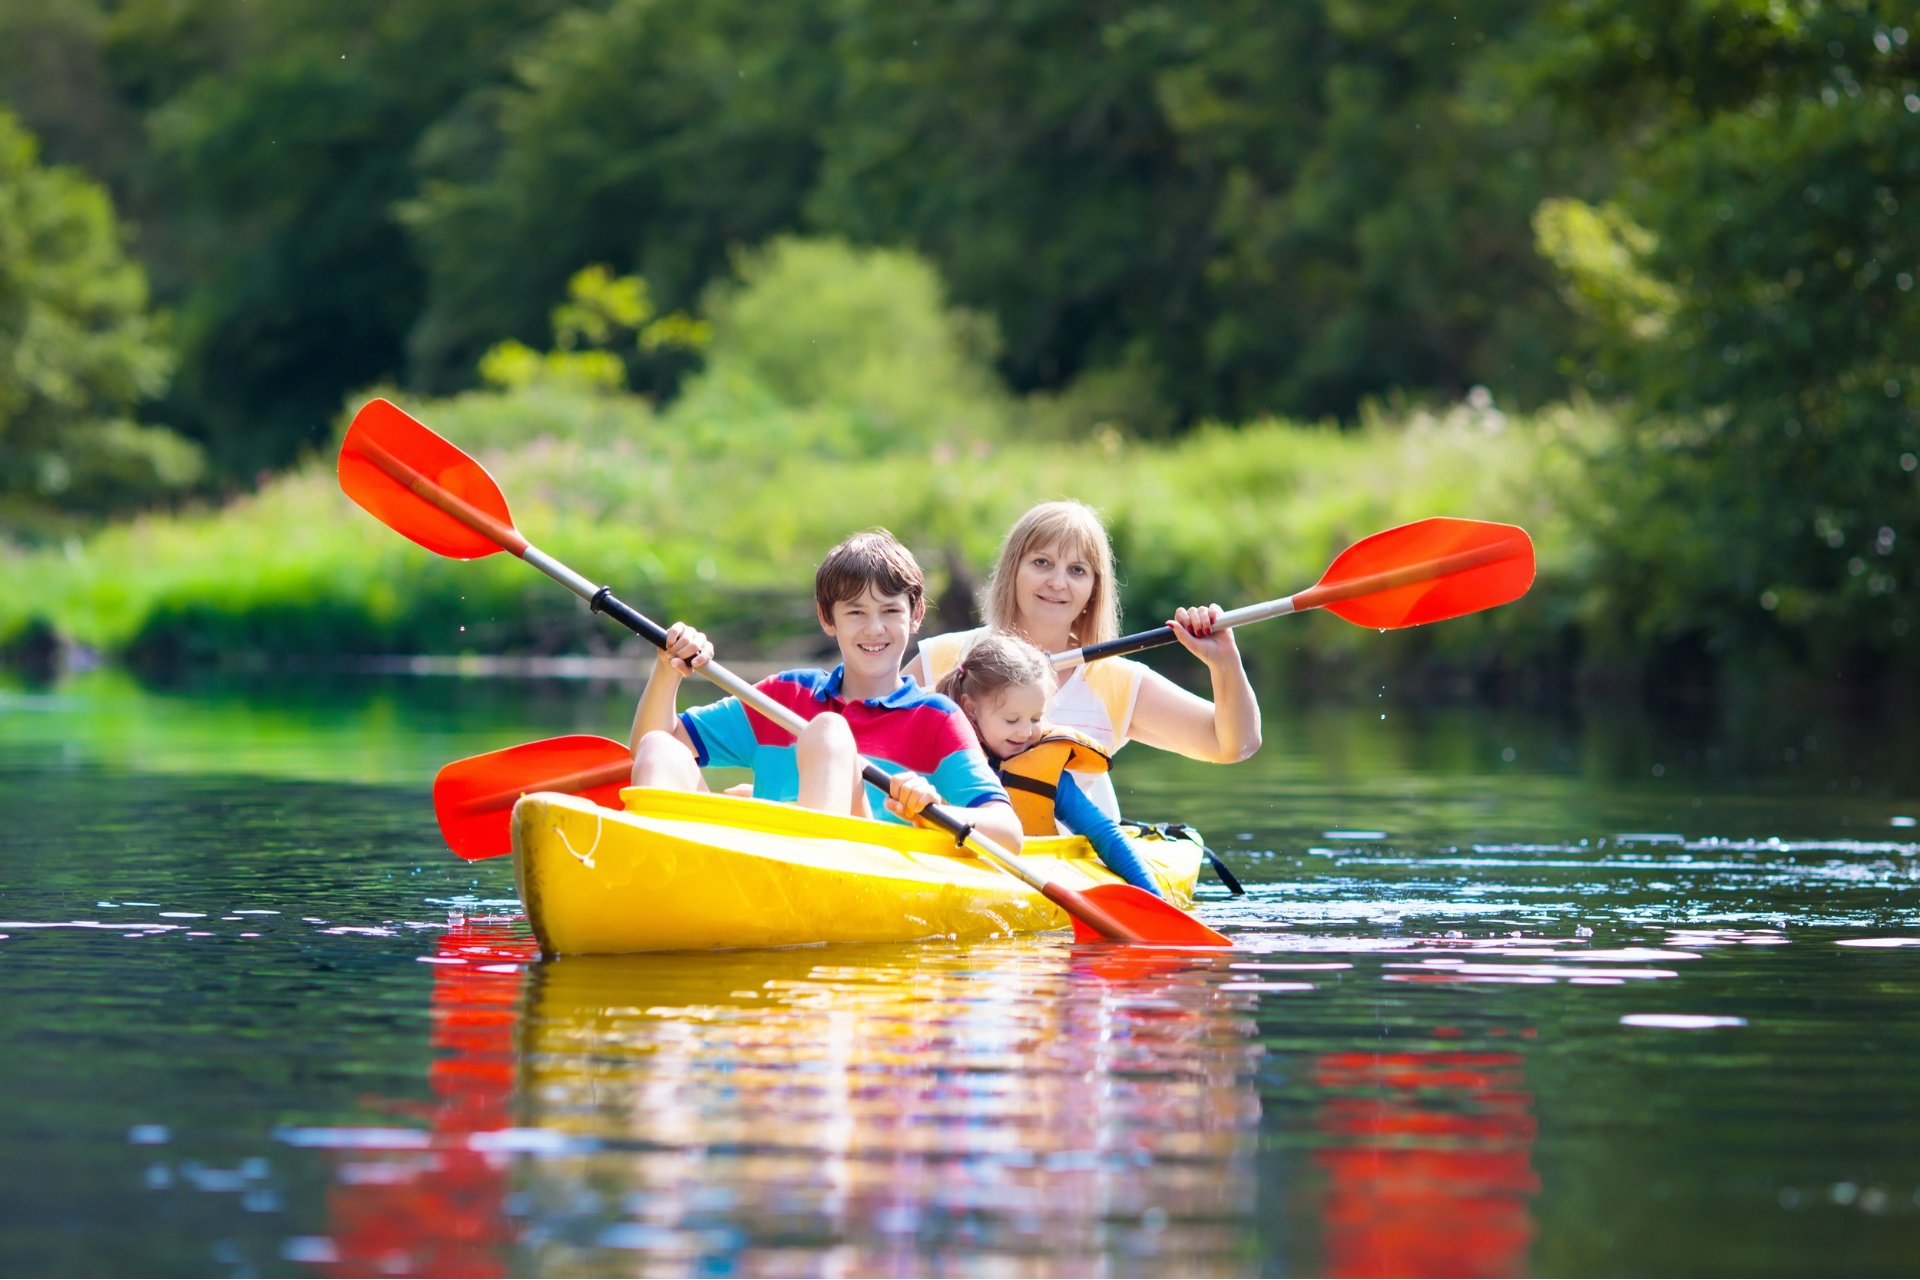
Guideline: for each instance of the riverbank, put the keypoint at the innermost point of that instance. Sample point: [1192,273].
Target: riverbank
[688,520]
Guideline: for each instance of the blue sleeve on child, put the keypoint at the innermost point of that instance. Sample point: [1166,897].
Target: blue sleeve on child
[1084,818]
[721,733]
[965,779]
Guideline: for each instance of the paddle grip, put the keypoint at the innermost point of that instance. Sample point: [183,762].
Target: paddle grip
[604,601]
[1164,635]
[939,815]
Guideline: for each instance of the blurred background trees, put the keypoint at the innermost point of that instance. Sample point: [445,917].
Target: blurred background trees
[1700,213]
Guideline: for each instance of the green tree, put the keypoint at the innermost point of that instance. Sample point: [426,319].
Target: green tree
[1761,308]
[283,173]
[1272,207]
[861,342]
[78,350]
[649,136]
[608,325]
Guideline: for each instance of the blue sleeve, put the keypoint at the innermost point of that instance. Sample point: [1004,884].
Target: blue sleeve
[1084,818]
[965,778]
[721,733]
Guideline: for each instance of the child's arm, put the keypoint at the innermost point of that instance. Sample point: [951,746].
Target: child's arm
[685,649]
[1084,818]
[909,793]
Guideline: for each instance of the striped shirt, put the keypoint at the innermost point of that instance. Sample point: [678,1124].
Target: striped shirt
[910,728]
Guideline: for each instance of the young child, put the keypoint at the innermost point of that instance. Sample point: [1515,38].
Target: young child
[1003,685]
[869,596]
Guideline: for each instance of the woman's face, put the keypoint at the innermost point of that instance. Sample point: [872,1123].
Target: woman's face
[1052,588]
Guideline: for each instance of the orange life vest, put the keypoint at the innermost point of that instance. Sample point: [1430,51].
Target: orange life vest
[1032,776]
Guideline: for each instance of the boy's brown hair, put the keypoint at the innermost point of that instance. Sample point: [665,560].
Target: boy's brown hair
[872,558]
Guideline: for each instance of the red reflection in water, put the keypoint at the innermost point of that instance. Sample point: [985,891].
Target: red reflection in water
[1429,1164]
[437,1212]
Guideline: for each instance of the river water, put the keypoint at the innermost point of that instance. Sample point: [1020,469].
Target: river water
[1514,993]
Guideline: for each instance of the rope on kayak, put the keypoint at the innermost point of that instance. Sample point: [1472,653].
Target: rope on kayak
[584,859]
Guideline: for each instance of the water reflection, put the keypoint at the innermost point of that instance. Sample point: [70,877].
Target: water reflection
[431,1203]
[1428,1158]
[1028,1108]
[1020,1109]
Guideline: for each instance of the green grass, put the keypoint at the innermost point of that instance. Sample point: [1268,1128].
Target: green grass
[723,521]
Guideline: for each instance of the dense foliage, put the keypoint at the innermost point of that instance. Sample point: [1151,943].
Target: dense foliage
[77,349]
[1753,287]
[1111,222]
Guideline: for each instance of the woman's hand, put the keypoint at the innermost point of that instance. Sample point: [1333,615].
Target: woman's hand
[1197,629]
[684,649]
[908,793]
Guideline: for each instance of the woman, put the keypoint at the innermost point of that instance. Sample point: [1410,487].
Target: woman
[1053,586]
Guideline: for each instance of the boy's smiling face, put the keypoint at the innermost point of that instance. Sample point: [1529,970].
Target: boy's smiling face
[872,630]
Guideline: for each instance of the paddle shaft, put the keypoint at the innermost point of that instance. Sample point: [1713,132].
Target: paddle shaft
[1313,597]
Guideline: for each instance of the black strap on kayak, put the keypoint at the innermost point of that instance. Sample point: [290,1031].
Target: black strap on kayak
[1225,873]
[1180,831]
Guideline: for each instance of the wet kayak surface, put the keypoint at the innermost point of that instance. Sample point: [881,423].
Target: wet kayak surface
[1514,993]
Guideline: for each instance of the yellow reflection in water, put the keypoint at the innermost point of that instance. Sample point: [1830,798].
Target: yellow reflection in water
[1025,1108]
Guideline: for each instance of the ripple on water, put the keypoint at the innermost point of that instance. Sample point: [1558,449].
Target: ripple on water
[1681,1021]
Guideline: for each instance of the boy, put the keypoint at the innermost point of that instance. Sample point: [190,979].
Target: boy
[870,597]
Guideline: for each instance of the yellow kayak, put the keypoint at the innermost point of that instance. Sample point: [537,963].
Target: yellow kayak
[680,872]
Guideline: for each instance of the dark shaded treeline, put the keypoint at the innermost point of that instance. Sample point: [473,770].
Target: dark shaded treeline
[1240,208]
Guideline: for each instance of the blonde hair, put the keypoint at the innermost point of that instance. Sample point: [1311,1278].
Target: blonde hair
[996,662]
[1073,527]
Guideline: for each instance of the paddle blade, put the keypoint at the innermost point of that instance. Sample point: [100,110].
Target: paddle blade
[422,487]
[473,798]
[1126,913]
[1427,571]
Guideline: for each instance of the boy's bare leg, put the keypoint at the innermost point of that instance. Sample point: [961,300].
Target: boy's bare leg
[829,766]
[661,760]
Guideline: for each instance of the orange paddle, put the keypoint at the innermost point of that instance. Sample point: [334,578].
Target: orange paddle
[473,798]
[1407,576]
